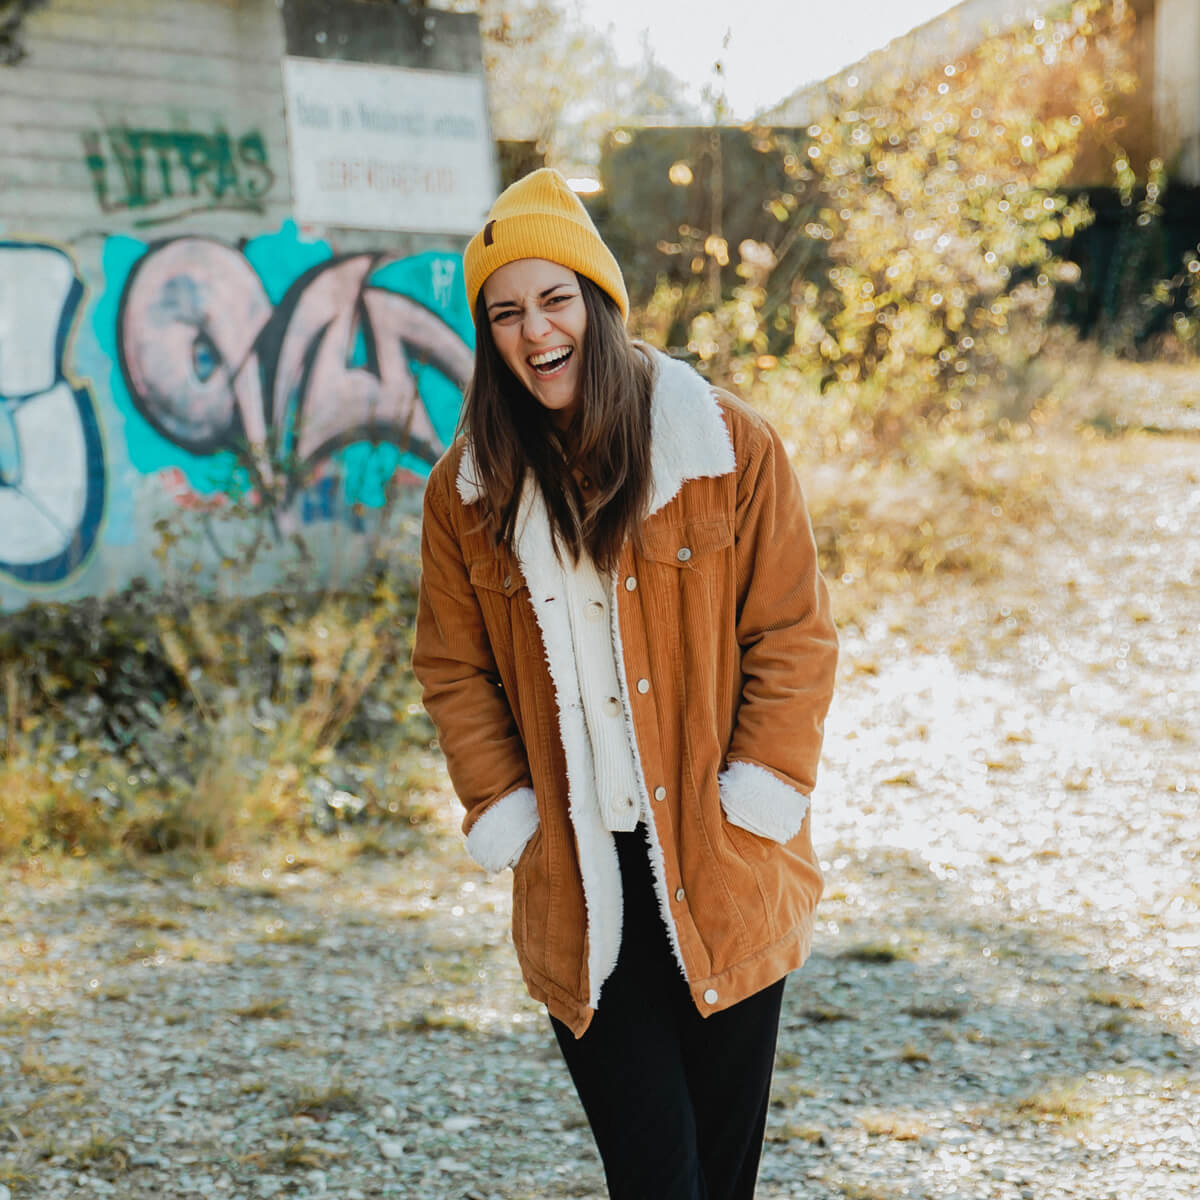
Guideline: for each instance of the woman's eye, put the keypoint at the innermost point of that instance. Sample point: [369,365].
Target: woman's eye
[505,318]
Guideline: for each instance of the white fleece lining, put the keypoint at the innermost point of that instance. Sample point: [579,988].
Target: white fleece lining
[689,440]
[598,864]
[658,863]
[499,836]
[756,800]
[469,487]
[688,437]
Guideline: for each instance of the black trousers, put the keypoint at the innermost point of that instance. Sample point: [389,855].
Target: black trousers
[677,1102]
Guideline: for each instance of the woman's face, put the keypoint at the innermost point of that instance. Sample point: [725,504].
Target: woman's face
[538,320]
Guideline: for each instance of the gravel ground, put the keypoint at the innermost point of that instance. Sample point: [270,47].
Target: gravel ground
[1004,1001]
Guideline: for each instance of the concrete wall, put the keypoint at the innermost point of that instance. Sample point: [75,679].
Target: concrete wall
[160,309]
[1177,86]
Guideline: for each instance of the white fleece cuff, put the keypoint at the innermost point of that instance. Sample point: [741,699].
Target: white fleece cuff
[497,839]
[760,802]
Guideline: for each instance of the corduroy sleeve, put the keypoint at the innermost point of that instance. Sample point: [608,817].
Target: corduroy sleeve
[453,660]
[787,638]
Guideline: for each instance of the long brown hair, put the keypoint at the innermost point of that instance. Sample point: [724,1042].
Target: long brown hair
[608,438]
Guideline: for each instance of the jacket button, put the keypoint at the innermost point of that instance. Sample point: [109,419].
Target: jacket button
[710,997]
[660,793]
[679,894]
[594,610]
[630,583]
[508,581]
[612,706]
[643,686]
[683,554]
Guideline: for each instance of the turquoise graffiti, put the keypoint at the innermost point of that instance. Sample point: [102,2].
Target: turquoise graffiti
[52,477]
[304,383]
[163,174]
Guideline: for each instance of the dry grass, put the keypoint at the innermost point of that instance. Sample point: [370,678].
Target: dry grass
[878,953]
[1059,1103]
[1124,1000]
[148,920]
[39,807]
[886,518]
[290,937]
[291,1154]
[936,1012]
[813,1135]
[264,1010]
[853,1190]
[259,696]
[34,1065]
[100,1151]
[334,1096]
[899,1127]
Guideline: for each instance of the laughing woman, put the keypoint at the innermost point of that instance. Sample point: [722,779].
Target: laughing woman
[627,650]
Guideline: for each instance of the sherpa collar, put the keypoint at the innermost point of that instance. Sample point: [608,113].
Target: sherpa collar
[688,436]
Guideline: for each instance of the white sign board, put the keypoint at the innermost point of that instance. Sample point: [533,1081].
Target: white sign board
[377,147]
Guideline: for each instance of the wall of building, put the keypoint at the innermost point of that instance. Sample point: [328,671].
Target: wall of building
[190,379]
[1177,86]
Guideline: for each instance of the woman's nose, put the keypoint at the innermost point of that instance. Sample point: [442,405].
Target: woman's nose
[536,323]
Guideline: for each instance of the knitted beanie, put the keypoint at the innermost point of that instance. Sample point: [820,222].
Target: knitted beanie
[540,217]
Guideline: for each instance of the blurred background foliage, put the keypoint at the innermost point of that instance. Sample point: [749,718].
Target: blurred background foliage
[903,284]
[916,240]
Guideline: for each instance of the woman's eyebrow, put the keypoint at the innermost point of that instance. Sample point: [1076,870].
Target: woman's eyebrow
[542,295]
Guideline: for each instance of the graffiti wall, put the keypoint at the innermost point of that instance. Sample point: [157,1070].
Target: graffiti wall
[260,399]
[200,378]
[52,480]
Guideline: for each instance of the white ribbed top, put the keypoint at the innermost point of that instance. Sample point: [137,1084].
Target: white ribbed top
[615,783]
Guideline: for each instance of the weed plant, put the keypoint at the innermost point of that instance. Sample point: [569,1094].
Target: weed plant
[150,724]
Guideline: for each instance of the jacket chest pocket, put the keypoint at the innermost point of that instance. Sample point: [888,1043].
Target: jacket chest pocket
[500,588]
[690,547]
[496,577]
[690,574]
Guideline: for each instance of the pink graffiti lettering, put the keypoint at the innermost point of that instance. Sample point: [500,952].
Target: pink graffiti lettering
[191,314]
[338,403]
[212,366]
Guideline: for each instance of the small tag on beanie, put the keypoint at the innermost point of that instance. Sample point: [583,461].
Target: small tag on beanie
[488,239]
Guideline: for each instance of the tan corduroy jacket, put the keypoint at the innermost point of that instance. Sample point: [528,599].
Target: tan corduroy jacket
[726,651]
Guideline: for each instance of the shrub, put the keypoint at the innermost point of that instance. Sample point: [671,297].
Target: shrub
[183,723]
[935,207]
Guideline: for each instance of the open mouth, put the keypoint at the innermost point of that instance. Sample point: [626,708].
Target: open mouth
[550,362]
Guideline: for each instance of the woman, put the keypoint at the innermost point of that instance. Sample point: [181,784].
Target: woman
[626,647]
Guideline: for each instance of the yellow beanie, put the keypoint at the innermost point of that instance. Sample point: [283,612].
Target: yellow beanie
[540,217]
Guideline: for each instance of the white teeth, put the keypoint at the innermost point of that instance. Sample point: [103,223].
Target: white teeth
[549,357]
